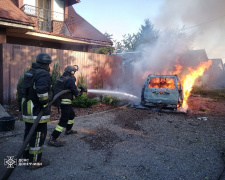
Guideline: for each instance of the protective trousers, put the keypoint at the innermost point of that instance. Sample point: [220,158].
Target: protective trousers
[33,151]
[66,120]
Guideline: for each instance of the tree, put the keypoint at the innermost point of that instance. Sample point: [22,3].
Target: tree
[129,42]
[147,34]
[56,73]
[118,46]
[176,38]
[106,50]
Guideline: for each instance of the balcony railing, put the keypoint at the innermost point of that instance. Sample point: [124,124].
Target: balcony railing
[43,17]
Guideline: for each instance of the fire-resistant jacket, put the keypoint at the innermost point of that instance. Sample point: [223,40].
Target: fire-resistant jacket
[38,95]
[70,84]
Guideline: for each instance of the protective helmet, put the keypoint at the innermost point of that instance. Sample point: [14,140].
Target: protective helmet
[71,69]
[44,58]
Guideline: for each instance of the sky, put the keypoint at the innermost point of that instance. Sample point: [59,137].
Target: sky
[205,18]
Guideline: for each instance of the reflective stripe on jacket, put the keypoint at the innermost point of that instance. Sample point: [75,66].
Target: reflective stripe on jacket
[28,112]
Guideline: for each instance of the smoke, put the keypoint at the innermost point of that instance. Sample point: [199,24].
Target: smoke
[158,58]
[206,18]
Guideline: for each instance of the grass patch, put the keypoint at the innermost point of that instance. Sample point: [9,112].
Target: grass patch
[210,93]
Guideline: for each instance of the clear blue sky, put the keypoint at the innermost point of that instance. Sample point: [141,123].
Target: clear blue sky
[118,17]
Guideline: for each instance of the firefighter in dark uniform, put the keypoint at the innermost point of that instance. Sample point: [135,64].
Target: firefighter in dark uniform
[67,112]
[36,93]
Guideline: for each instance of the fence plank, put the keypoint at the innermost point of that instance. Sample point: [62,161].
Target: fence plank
[17,58]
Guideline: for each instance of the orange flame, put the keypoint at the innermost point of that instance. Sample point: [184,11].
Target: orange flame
[161,83]
[178,68]
[189,80]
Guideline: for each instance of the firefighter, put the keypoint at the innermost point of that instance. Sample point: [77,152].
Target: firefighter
[67,113]
[36,93]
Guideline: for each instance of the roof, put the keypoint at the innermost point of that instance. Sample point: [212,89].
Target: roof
[218,63]
[80,28]
[71,2]
[193,57]
[10,13]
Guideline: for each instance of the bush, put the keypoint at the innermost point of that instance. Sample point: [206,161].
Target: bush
[107,99]
[56,73]
[84,102]
[81,82]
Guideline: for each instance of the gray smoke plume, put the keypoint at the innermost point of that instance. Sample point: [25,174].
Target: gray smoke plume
[159,58]
[178,21]
[206,18]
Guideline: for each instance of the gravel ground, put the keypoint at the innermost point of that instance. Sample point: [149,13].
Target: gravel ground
[134,144]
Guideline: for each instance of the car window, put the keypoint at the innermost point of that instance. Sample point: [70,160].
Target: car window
[162,83]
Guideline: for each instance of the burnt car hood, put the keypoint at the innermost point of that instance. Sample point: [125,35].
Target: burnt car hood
[164,96]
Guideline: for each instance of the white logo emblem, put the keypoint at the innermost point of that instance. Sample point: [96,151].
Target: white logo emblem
[10,162]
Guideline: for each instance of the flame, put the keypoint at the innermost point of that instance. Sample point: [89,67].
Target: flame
[189,80]
[161,83]
[178,68]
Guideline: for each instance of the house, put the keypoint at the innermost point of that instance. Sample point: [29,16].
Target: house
[192,58]
[29,27]
[217,64]
[216,74]
[48,23]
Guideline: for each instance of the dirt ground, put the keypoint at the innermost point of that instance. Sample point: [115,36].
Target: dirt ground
[136,144]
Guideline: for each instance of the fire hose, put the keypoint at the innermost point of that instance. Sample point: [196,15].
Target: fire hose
[34,126]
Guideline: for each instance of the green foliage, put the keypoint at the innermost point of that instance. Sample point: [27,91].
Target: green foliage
[81,81]
[119,47]
[147,35]
[211,93]
[106,50]
[107,99]
[56,73]
[84,102]
[129,42]
[98,85]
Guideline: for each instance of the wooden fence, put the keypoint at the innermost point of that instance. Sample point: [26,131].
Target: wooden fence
[98,70]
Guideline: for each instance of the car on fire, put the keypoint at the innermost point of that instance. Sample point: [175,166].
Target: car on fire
[164,91]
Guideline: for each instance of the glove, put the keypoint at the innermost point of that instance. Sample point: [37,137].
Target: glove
[81,88]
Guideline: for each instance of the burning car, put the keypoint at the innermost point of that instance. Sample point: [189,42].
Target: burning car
[162,91]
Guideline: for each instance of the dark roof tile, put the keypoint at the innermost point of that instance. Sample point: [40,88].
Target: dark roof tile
[10,12]
[80,28]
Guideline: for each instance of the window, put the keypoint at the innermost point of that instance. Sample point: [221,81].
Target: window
[58,10]
[162,83]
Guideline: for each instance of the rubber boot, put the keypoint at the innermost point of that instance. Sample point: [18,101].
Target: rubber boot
[53,142]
